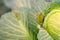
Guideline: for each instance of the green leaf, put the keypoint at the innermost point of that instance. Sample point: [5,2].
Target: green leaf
[52,24]
[52,6]
[18,26]
[51,20]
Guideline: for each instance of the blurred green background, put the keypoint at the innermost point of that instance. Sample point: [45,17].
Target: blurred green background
[3,8]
